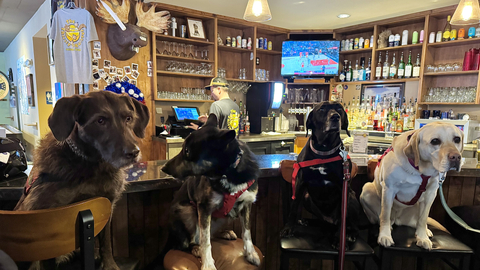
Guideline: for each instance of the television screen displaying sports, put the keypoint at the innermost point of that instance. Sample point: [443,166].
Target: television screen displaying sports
[310,58]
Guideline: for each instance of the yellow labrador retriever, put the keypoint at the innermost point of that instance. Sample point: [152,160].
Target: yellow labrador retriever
[406,180]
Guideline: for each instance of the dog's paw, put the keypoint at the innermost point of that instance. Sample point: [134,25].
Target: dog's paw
[385,240]
[424,243]
[228,235]
[429,233]
[253,258]
[196,251]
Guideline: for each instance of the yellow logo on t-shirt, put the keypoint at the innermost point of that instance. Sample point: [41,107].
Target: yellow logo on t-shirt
[233,120]
[73,33]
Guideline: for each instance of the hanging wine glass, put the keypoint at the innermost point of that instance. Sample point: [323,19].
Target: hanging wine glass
[190,54]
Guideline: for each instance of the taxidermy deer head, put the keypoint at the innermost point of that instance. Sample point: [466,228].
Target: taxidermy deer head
[124,44]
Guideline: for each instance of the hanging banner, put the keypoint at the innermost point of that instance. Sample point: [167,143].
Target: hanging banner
[22,86]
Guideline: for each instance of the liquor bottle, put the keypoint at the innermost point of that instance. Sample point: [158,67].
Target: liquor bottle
[361,71]
[393,68]
[416,68]
[343,73]
[386,67]
[368,70]
[378,69]
[409,66]
[355,72]
[401,68]
[446,30]
[247,125]
[349,72]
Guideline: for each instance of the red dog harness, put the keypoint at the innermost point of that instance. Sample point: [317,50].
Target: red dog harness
[308,163]
[423,185]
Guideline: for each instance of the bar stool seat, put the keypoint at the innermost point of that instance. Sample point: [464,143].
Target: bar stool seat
[228,255]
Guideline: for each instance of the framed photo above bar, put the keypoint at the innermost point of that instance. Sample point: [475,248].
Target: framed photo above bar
[195,28]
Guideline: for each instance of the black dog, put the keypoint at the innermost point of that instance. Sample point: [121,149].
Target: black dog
[319,187]
[215,165]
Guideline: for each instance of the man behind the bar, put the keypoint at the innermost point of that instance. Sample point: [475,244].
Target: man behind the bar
[226,110]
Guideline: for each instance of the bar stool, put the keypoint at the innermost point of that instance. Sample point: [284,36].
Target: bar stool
[445,246]
[303,244]
[43,235]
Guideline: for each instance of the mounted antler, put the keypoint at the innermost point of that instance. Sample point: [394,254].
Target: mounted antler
[153,21]
[121,11]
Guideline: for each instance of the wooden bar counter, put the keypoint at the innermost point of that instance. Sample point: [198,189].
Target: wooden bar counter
[140,219]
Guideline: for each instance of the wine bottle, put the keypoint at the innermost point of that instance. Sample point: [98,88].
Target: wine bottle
[343,73]
[401,68]
[393,68]
[349,72]
[416,68]
[446,30]
[378,69]
[409,66]
[355,72]
[368,70]
[386,67]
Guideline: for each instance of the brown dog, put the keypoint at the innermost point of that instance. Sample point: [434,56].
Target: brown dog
[91,142]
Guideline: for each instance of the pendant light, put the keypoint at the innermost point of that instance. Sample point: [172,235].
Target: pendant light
[257,11]
[467,12]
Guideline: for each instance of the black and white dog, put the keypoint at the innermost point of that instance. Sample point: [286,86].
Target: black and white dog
[319,187]
[220,175]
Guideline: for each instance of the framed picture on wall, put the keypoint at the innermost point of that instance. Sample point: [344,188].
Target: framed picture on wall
[50,50]
[195,28]
[30,90]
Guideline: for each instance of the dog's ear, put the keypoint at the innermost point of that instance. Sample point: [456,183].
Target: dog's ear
[212,120]
[345,121]
[411,150]
[225,137]
[142,115]
[62,120]
[310,121]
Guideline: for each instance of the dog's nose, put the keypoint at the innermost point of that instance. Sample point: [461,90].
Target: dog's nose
[335,117]
[454,157]
[132,154]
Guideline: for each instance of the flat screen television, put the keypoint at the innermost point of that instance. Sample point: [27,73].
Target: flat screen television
[310,58]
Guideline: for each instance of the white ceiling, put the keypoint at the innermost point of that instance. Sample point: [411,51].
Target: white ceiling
[14,14]
[290,14]
[317,14]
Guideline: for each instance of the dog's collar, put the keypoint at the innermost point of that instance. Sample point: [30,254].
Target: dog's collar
[324,153]
[77,150]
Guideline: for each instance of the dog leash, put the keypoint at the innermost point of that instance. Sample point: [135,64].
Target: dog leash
[455,217]
[343,228]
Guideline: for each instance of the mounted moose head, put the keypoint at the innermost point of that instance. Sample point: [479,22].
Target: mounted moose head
[124,44]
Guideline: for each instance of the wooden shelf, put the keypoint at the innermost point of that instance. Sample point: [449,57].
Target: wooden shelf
[455,42]
[452,73]
[262,51]
[238,80]
[325,83]
[446,103]
[380,81]
[185,40]
[183,100]
[364,50]
[419,45]
[163,56]
[233,49]
[169,73]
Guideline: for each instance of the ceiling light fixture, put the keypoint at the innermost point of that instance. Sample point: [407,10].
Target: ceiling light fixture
[343,15]
[257,11]
[467,12]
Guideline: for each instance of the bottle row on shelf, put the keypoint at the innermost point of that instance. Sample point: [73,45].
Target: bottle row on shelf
[403,70]
[356,43]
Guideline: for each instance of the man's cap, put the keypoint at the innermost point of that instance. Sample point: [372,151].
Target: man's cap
[217,81]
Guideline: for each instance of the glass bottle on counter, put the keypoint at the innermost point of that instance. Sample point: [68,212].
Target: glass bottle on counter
[393,68]
[378,69]
[368,70]
[401,68]
[446,30]
[386,67]
[416,68]
[409,66]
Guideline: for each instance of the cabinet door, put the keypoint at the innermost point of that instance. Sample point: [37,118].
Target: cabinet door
[260,148]
[282,147]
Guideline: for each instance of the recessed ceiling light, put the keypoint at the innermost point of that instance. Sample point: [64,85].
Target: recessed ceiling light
[299,3]
[343,15]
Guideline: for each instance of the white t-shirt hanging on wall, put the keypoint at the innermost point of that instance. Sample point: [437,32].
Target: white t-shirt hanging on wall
[72,30]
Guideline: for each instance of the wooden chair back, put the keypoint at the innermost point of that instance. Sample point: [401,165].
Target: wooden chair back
[44,234]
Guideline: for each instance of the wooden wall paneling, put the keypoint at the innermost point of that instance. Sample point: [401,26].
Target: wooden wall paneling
[476,198]
[468,191]
[159,150]
[376,32]
[151,216]
[174,84]
[215,47]
[136,227]
[120,228]
[247,59]
[436,211]
[273,228]
[164,203]
[455,191]
[232,62]
[255,52]
[261,218]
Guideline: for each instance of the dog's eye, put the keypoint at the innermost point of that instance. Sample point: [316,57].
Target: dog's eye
[457,140]
[435,142]
[128,119]
[101,121]
[322,110]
